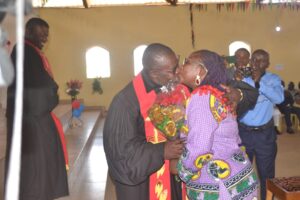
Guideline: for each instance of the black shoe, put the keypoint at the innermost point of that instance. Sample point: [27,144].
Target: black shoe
[290,130]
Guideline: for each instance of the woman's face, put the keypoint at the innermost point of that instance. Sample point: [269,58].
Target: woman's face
[188,72]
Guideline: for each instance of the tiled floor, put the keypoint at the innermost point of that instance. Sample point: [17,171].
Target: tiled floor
[88,168]
[288,156]
[80,138]
[84,144]
[87,179]
[92,180]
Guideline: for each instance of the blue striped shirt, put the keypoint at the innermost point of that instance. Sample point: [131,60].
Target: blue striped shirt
[271,92]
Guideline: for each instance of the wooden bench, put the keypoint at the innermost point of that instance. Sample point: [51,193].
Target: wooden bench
[284,188]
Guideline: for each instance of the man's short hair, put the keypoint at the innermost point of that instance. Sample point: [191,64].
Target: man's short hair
[153,53]
[33,22]
[261,52]
[242,50]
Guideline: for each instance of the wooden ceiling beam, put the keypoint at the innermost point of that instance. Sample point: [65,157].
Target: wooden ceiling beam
[86,3]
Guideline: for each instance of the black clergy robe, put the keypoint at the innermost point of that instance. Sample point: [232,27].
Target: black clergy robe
[43,172]
[250,94]
[131,159]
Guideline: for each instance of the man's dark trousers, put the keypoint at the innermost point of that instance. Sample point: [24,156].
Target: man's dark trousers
[261,144]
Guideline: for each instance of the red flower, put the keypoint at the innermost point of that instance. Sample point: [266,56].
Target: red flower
[177,96]
[168,112]
[74,84]
[73,88]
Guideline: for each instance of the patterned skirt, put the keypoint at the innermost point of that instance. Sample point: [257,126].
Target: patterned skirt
[241,186]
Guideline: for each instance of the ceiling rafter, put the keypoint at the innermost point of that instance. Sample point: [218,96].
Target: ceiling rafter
[292,4]
[86,3]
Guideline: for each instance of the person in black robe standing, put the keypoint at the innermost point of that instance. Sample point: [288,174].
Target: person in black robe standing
[43,172]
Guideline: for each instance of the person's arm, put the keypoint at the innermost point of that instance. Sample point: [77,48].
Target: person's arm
[131,159]
[242,95]
[272,89]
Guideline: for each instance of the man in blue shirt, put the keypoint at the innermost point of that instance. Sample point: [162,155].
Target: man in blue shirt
[256,127]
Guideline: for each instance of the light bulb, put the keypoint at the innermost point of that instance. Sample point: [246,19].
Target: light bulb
[278,28]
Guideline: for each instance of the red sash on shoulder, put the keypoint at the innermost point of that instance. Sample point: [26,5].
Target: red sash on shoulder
[58,124]
[160,187]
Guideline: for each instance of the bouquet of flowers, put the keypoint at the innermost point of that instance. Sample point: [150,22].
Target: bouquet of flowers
[73,88]
[168,112]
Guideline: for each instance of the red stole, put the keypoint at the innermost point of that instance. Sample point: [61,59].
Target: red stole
[62,138]
[160,187]
[58,124]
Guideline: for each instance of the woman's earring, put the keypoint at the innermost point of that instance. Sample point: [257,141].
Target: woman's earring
[197,80]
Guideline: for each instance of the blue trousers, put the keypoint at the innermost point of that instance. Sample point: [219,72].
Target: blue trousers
[261,144]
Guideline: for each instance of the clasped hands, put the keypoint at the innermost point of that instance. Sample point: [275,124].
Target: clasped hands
[172,151]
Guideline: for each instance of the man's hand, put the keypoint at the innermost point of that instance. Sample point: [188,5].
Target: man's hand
[238,75]
[173,149]
[233,96]
[173,166]
[256,74]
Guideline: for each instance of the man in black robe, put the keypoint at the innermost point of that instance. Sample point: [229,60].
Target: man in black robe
[131,159]
[43,171]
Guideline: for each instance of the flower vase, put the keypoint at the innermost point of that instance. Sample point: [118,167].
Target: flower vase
[73,98]
[75,121]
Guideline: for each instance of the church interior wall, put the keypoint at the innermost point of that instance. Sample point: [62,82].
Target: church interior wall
[121,29]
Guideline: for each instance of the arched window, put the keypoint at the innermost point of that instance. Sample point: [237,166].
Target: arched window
[237,45]
[137,58]
[97,63]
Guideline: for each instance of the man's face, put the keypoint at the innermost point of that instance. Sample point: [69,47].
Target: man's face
[259,62]
[291,86]
[39,35]
[167,71]
[242,59]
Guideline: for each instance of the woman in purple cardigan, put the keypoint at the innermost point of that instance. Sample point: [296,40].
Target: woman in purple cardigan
[213,166]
